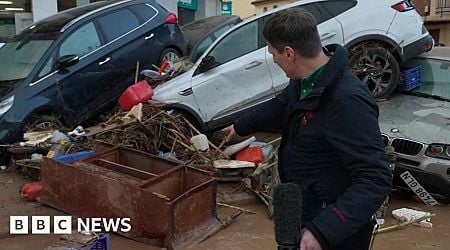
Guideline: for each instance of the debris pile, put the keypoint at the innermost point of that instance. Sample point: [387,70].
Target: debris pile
[151,130]
[166,71]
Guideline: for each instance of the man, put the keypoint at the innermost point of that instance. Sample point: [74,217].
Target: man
[331,145]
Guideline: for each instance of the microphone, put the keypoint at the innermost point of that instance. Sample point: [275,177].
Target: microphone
[287,210]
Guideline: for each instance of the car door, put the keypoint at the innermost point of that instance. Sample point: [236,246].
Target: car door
[330,31]
[240,81]
[154,32]
[82,89]
[130,40]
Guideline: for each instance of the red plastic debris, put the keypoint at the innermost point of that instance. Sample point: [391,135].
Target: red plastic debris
[31,191]
[251,154]
[137,93]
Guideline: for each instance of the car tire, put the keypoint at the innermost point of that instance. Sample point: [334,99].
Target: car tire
[377,68]
[170,54]
[43,122]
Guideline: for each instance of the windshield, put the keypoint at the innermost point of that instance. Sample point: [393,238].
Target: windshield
[18,58]
[435,77]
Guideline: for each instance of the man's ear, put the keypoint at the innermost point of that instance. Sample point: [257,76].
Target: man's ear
[289,52]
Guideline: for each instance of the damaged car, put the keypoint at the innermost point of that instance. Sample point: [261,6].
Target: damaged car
[237,73]
[417,124]
[200,34]
[74,65]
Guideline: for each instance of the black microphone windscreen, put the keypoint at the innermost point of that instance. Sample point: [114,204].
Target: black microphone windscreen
[287,210]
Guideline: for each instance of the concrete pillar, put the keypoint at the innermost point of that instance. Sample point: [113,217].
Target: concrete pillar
[43,8]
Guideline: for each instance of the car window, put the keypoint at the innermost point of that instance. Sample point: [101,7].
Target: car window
[19,57]
[435,80]
[47,68]
[118,23]
[337,7]
[318,11]
[201,48]
[320,14]
[81,42]
[144,11]
[241,41]
[220,31]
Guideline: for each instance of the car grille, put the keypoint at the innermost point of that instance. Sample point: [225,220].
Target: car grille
[406,147]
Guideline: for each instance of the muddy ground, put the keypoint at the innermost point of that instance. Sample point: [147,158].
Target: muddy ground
[248,232]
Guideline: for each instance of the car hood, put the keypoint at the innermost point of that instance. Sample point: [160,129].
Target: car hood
[417,118]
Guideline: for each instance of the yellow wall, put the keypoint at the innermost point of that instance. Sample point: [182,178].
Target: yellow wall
[243,8]
[269,5]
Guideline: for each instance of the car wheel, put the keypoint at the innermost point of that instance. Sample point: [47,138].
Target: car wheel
[43,122]
[377,68]
[170,54]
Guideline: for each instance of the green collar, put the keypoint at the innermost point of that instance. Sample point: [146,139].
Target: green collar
[309,82]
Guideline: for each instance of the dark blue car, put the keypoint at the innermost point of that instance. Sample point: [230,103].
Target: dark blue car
[72,66]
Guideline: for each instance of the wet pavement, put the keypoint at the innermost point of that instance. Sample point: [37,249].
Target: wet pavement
[248,232]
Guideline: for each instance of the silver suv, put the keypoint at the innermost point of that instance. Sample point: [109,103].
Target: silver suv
[236,72]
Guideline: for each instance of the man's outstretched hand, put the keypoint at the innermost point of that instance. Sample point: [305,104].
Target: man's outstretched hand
[230,133]
[308,241]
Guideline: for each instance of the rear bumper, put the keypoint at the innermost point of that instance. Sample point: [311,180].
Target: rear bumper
[435,184]
[416,48]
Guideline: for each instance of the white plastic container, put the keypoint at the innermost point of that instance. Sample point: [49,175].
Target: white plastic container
[200,142]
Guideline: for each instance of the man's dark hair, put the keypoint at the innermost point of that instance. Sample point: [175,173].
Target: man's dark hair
[296,28]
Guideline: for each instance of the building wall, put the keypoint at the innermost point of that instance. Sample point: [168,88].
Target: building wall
[207,8]
[422,7]
[170,5]
[243,8]
[436,22]
[270,5]
[44,8]
[444,32]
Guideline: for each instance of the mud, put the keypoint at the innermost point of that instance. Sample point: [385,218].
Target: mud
[248,232]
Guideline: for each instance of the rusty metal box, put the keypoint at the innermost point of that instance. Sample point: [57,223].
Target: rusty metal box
[169,204]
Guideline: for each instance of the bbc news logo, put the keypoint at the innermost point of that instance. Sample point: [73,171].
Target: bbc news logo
[63,224]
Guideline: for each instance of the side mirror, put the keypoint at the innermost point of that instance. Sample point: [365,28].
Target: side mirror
[207,63]
[66,61]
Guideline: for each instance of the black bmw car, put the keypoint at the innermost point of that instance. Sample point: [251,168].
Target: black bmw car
[69,67]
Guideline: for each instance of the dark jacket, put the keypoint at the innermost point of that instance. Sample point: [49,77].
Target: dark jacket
[331,147]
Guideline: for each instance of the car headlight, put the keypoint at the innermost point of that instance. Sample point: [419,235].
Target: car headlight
[438,151]
[6,104]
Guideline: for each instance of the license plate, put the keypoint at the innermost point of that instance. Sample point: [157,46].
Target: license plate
[415,186]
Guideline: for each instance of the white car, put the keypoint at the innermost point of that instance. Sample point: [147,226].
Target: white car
[236,72]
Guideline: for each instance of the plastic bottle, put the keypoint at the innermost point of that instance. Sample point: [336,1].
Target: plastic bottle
[200,142]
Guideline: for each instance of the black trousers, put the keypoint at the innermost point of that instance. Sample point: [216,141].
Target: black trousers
[359,240]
